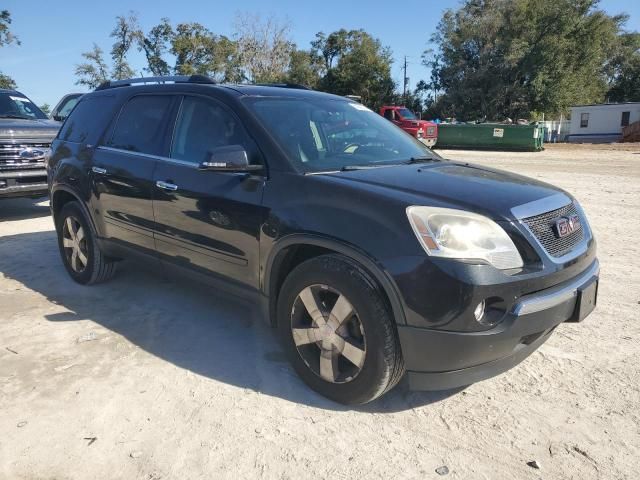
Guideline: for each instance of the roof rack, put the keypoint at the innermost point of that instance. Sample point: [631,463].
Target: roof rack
[296,86]
[166,79]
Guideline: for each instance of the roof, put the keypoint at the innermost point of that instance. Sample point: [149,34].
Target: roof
[605,104]
[200,81]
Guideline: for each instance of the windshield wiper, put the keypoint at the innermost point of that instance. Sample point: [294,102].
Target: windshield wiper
[11,115]
[350,168]
[413,160]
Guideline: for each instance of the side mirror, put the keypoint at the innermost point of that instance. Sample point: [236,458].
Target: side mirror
[232,158]
[59,118]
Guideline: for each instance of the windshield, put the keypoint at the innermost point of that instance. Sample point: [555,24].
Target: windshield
[328,135]
[15,105]
[407,114]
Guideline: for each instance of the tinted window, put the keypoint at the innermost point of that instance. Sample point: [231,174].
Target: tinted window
[140,124]
[625,119]
[203,126]
[88,120]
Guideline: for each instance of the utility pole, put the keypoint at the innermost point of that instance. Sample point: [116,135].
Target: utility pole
[405,80]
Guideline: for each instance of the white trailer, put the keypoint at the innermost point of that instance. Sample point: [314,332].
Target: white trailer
[603,122]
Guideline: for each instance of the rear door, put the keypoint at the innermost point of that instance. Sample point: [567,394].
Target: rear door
[123,167]
[208,221]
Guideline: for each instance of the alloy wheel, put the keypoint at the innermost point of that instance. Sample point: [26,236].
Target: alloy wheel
[74,243]
[328,333]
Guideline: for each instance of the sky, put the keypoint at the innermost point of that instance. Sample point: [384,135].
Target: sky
[54,34]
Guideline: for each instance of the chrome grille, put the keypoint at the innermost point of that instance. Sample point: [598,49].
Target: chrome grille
[10,156]
[542,227]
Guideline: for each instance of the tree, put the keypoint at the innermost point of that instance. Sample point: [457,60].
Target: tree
[624,69]
[94,71]
[7,82]
[155,45]
[46,109]
[199,52]
[6,38]
[126,33]
[355,63]
[264,47]
[304,69]
[511,58]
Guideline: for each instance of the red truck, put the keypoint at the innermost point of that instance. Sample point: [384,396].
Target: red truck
[426,132]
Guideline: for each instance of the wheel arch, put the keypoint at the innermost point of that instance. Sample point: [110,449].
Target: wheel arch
[292,250]
[63,195]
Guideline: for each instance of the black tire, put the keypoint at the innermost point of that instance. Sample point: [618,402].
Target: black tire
[98,267]
[383,365]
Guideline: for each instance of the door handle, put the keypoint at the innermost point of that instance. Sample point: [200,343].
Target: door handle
[167,186]
[99,171]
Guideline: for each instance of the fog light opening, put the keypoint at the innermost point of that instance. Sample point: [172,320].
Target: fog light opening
[479,311]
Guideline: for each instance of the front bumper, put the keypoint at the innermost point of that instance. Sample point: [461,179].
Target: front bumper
[429,142]
[440,359]
[25,183]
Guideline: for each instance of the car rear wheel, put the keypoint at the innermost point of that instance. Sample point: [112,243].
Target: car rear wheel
[338,332]
[80,253]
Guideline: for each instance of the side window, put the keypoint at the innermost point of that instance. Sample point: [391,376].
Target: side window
[140,124]
[67,106]
[388,114]
[87,120]
[584,120]
[625,119]
[204,125]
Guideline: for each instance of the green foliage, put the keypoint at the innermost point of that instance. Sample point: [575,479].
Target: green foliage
[624,69]
[46,109]
[7,82]
[94,70]
[355,63]
[126,33]
[155,45]
[6,37]
[304,69]
[199,52]
[507,58]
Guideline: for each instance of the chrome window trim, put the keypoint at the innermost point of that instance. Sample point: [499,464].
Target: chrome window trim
[555,296]
[147,155]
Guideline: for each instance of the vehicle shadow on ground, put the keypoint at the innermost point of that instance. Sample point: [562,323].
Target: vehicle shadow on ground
[23,208]
[189,325]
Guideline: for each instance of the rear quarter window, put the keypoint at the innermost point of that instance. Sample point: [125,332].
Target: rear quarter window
[87,120]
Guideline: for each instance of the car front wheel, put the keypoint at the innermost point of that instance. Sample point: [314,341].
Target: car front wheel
[338,332]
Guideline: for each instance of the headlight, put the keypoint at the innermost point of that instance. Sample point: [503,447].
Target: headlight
[449,233]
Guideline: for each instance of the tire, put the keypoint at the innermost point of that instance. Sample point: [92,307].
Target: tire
[90,266]
[361,360]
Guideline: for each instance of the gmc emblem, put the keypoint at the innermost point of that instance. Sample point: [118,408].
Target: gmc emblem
[566,225]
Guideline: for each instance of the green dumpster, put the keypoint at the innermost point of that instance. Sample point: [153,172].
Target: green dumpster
[491,136]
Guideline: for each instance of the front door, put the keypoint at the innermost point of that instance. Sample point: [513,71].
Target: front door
[208,221]
[122,171]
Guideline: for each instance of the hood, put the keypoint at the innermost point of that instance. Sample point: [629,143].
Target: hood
[455,185]
[422,123]
[44,130]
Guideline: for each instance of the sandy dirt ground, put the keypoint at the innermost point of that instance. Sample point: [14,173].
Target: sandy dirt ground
[144,378]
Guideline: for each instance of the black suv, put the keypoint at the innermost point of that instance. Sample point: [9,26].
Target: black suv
[25,138]
[371,255]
